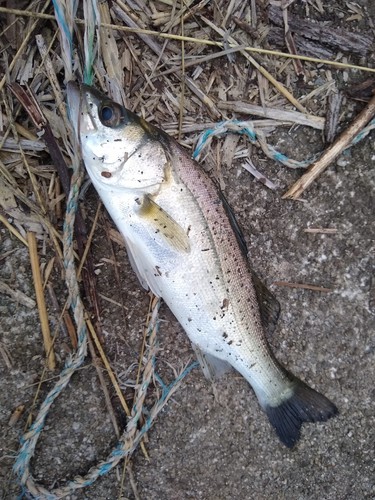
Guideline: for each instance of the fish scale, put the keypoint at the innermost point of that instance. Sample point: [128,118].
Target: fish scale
[185,245]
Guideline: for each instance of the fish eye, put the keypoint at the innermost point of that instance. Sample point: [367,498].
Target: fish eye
[110,114]
[107,113]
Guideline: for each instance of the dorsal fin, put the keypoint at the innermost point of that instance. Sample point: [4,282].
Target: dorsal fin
[268,305]
[233,222]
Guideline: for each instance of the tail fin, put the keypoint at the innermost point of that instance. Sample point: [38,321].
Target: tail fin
[305,405]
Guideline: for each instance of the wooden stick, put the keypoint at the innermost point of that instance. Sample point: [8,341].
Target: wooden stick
[302,285]
[17,295]
[47,339]
[274,113]
[322,230]
[332,152]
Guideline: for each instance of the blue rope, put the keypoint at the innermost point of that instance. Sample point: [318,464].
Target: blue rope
[256,137]
[60,17]
[132,436]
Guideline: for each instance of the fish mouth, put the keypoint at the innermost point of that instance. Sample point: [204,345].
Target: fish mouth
[83,101]
[74,102]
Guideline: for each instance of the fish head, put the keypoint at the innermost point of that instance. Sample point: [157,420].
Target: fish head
[120,149]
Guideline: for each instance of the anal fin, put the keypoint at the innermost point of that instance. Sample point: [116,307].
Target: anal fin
[212,367]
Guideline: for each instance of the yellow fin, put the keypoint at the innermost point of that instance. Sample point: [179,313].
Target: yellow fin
[164,225]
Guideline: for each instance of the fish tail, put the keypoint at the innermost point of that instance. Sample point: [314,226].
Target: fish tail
[303,405]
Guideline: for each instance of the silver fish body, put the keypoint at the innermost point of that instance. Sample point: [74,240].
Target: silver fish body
[182,242]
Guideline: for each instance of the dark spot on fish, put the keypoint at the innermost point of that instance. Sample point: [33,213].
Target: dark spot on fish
[189,319]
[230,342]
[105,174]
[225,335]
[225,304]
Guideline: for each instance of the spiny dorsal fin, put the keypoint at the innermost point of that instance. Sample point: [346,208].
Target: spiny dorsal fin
[233,222]
[164,225]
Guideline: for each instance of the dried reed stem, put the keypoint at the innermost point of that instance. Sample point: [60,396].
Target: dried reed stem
[171,36]
[47,339]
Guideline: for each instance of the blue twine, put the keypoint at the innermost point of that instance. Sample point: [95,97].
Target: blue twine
[29,440]
[256,137]
[363,133]
[246,128]
[60,17]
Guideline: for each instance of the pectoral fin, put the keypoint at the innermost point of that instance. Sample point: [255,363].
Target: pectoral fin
[164,225]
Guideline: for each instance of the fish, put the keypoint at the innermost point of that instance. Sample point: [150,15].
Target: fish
[185,245]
